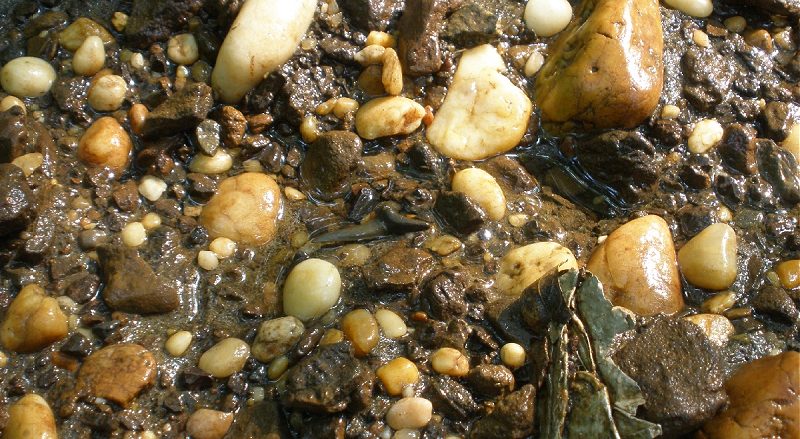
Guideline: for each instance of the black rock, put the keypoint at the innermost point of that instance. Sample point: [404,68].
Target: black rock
[197,379]
[513,417]
[330,162]
[775,302]
[330,380]
[737,148]
[708,77]
[366,201]
[778,166]
[182,111]
[78,346]
[459,212]
[490,380]
[426,161]
[471,25]
[131,285]
[680,372]
[80,287]
[17,204]
[775,119]
[452,398]
[418,44]
[444,295]
[369,15]
[693,219]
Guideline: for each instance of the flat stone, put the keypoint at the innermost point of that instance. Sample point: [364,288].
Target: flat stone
[330,162]
[131,285]
[117,373]
[182,111]
[402,269]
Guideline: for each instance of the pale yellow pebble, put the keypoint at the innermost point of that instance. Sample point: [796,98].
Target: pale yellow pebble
[32,321]
[392,73]
[345,106]
[410,413]
[406,433]
[709,260]
[717,328]
[372,54]
[724,214]
[518,219]
[397,374]
[792,141]
[700,38]
[309,130]
[512,355]
[326,107]
[523,266]
[90,56]
[534,63]
[107,93]
[735,24]
[482,188]
[152,187]
[182,49]
[27,77]
[220,162]
[443,245]
[252,165]
[277,367]
[719,303]
[76,33]
[275,337]
[788,273]
[331,336]
[670,112]
[209,424]
[137,61]
[28,162]
[178,343]
[380,38]
[391,324]
[207,260]
[547,17]
[298,238]
[151,221]
[225,358]
[449,361]
[133,234]
[293,194]
[695,8]
[311,289]
[360,327]
[30,418]
[3,359]
[354,255]
[119,20]
[12,101]
[388,116]
[705,135]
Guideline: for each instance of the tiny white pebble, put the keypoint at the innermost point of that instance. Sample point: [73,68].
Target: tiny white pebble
[178,343]
[182,49]
[151,221]
[391,324]
[223,247]
[705,135]
[152,187]
[534,63]
[547,17]
[700,38]
[137,61]
[133,234]
[735,24]
[293,194]
[512,355]
[670,112]
[207,260]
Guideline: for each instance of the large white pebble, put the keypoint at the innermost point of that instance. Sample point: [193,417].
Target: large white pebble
[547,17]
[709,259]
[90,57]
[523,266]
[695,8]
[311,289]
[27,77]
[411,412]
[225,358]
[30,418]
[107,93]
[481,187]
[264,35]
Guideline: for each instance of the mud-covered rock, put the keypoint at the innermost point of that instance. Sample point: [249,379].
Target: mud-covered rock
[737,148]
[303,89]
[17,204]
[472,25]
[152,21]
[780,7]
[511,174]
[625,160]
[261,420]
[117,373]
[369,15]
[400,270]
[490,380]
[680,373]
[708,77]
[234,126]
[444,295]
[451,398]
[20,135]
[330,162]
[779,167]
[131,285]
[513,417]
[71,94]
[329,380]
[460,212]
[776,121]
[418,44]
[776,303]
[182,111]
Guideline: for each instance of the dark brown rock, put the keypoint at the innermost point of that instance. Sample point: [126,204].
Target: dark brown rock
[444,295]
[708,77]
[776,121]
[402,269]
[234,125]
[776,303]
[511,174]
[71,94]
[117,373]
[152,21]
[17,204]
[737,148]
[490,380]
[459,212]
[513,417]
[131,285]
[369,15]
[451,398]
[330,163]
[779,167]
[471,25]
[182,111]
[418,44]
[126,196]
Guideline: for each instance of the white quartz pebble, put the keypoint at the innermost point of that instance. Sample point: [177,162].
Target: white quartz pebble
[695,8]
[225,358]
[391,324]
[547,17]
[107,93]
[178,343]
[482,188]
[27,77]
[411,412]
[311,289]
[90,57]
[705,135]
[152,187]
[182,49]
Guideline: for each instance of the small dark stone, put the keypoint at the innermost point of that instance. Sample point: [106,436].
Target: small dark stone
[17,204]
[90,239]
[418,44]
[693,219]
[513,417]
[707,77]
[182,111]
[695,177]
[207,136]
[425,161]
[444,295]
[330,161]
[667,131]
[737,148]
[78,346]
[510,173]
[80,287]
[369,15]
[776,303]
[459,212]
[401,269]
[730,190]
[329,380]
[126,196]
[131,285]
[71,94]
[197,379]
[542,303]
[544,227]
[775,118]
[471,25]
[151,21]
[366,201]
[452,398]
[779,167]
[490,380]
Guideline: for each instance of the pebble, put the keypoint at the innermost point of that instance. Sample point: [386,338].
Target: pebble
[388,116]
[309,130]
[32,321]
[152,187]
[117,372]
[695,8]
[29,162]
[370,55]
[105,144]
[512,355]
[354,255]
[717,328]
[380,38]
[90,56]
[73,36]
[484,113]
[392,73]
[207,135]
[443,245]
[547,17]
[735,24]
[700,38]
[182,49]
[208,424]
[709,259]
[137,116]
[410,413]
[482,188]
[264,35]
[119,20]
[719,303]
[791,142]
[223,247]
[705,135]
[12,101]
[220,162]
[245,209]
[27,77]
[278,367]
[178,343]
[523,266]
[534,63]
[391,324]
[670,112]
[638,267]
[107,93]
[225,358]
[449,361]
[30,418]
[311,289]
[133,234]
[397,374]
[151,221]
[331,336]
[207,260]
[789,273]
[360,327]
[3,359]
[275,337]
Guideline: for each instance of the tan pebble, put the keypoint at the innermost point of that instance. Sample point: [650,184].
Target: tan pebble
[518,219]
[792,141]
[700,38]
[709,259]
[182,49]
[220,162]
[152,187]
[117,372]
[391,324]
[74,35]
[547,17]
[444,245]
[207,260]
[760,38]
[178,343]
[9,102]
[133,234]
[670,112]
[392,74]
[298,238]
[277,367]
[449,361]
[523,266]
[706,134]
[331,336]
[719,303]
[397,374]
[360,327]
[209,424]
[137,115]
[345,106]
[105,144]
[370,55]
[107,93]
[293,194]
[32,321]
[30,418]
[388,116]
[717,328]
[29,162]
[326,107]
[225,358]
[275,337]
[311,289]
[223,247]
[309,130]
[512,355]
[411,412]
[371,81]
[534,63]
[694,8]
[735,24]
[481,187]
[119,20]
[789,273]
[354,255]
[90,56]
[3,359]
[380,38]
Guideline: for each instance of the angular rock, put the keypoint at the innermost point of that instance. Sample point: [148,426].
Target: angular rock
[680,372]
[234,126]
[444,295]
[418,44]
[131,285]
[369,15]
[780,168]
[460,212]
[452,398]
[471,25]
[117,372]
[625,160]
[510,173]
[402,269]
[329,380]
[606,68]
[776,303]
[330,162]
[17,203]
[707,77]
[763,401]
[513,417]
[151,21]
[737,148]
[182,111]
[490,380]
[775,118]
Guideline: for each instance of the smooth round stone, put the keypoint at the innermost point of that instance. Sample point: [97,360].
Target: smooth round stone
[717,328]
[523,266]
[709,259]
[178,343]
[208,424]
[360,327]
[225,358]
[105,144]
[397,374]
[311,289]
[27,77]
[695,8]
[480,186]
[411,412]
[547,17]
[275,337]
[30,418]
[391,324]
